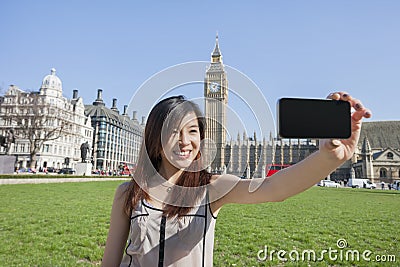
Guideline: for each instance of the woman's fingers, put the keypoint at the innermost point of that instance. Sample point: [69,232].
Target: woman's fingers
[359,110]
[334,96]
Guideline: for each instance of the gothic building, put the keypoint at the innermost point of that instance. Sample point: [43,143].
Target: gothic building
[246,157]
[377,157]
[249,157]
[216,99]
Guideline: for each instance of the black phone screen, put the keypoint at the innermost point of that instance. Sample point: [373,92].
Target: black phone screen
[313,118]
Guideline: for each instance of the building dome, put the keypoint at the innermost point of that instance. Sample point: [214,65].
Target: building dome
[51,81]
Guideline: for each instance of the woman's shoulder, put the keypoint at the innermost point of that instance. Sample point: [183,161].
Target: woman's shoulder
[124,186]
[122,189]
[220,185]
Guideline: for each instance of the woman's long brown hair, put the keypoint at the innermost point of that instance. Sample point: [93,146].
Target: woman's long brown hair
[149,162]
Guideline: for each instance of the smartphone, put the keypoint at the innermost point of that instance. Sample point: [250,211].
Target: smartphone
[313,118]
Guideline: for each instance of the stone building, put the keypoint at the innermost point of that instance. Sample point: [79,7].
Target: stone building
[246,157]
[377,157]
[45,122]
[249,157]
[216,99]
[116,137]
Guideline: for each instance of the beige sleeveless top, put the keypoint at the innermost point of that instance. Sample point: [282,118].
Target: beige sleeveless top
[156,241]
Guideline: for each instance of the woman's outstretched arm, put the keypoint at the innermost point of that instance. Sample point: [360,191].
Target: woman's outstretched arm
[297,178]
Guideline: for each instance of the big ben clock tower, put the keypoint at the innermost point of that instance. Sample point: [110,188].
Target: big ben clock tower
[216,99]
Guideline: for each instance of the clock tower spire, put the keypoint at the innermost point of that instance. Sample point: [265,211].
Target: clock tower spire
[216,55]
[216,99]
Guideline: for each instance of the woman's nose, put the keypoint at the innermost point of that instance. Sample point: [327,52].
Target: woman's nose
[184,138]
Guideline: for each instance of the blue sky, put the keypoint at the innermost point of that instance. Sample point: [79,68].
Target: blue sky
[288,48]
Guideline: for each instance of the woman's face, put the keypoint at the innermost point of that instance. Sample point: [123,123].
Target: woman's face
[182,145]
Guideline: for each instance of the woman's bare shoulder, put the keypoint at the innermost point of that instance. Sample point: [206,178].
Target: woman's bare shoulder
[221,185]
[122,189]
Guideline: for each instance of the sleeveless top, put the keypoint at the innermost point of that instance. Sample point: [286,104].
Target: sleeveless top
[155,240]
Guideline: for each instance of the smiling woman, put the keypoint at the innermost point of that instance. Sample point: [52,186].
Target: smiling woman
[168,183]
[171,152]
[167,212]
[182,146]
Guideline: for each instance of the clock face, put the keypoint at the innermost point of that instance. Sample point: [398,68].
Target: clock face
[214,87]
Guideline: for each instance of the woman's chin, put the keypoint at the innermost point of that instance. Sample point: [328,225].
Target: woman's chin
[182,164]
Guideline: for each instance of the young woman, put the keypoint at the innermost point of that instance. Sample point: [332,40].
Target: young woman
[165,216]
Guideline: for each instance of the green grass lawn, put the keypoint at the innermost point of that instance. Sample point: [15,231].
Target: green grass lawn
[66,225]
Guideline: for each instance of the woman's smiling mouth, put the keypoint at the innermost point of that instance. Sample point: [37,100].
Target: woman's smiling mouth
[183,154]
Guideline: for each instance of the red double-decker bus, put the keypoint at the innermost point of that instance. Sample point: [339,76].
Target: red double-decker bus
[273,168]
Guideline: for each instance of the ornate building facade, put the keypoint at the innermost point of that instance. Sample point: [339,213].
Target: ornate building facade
[48,127]
[377,157]
[249,157]
[216,99]
[246,157]
[113,138]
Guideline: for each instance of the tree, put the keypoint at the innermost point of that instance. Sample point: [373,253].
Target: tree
[35,119]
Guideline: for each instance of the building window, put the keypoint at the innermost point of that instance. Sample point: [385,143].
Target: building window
[389,155]
[46,148]
[382,173]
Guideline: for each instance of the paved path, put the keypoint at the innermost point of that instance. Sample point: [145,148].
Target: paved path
[58,180]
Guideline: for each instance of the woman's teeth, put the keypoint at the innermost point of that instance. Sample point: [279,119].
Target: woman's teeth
[182,153]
